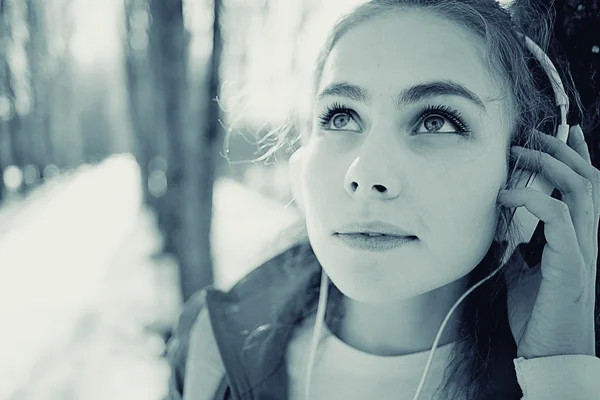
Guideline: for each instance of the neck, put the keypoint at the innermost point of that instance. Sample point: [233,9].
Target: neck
[403,327]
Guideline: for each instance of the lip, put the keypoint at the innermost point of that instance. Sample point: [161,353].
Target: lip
[376,227]
[373,244]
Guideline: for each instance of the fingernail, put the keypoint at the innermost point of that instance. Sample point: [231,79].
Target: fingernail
[579,130]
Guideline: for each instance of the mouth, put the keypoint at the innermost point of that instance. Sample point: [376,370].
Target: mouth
[376,235]
[374,241]
[375,229]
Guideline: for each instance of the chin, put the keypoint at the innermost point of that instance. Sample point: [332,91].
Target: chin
[375,295]
[369,284]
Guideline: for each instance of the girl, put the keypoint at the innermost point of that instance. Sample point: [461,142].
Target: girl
[424,114]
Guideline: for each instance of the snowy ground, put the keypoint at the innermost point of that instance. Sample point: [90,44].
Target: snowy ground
[81,298]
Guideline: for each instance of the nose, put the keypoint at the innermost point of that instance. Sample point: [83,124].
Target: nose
[366,180]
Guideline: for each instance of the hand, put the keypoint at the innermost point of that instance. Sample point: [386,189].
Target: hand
[551,307]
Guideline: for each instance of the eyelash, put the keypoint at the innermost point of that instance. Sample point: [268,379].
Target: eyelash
[331,110]
[452,115]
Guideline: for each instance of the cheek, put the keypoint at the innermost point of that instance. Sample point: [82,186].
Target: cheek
[315,188]
[322,181]
[462,217]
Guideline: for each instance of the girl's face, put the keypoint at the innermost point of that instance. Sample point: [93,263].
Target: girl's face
[405,132]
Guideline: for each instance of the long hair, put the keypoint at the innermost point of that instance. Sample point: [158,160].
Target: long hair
[481,361]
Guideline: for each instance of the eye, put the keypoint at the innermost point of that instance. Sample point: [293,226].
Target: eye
[338,118]
[441,119]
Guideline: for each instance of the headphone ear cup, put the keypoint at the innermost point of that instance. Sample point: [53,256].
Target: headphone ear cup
[296,162]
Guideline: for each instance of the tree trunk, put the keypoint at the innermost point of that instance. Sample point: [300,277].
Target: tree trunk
[18,138]
[184,212]
[577,45]
[5,154]
[66,136]
[167,61]
[577,29]
[202,167]
[37,53]
[140,91]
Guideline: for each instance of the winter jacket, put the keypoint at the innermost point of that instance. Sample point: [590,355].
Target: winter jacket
[251,303]
[230,321]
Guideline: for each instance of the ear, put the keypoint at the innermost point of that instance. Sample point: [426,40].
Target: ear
[295,177]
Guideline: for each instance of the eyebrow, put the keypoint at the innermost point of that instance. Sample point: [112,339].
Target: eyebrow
[413,94]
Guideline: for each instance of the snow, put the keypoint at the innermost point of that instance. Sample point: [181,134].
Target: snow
[83,294]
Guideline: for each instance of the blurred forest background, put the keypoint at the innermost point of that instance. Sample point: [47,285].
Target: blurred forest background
[135,169]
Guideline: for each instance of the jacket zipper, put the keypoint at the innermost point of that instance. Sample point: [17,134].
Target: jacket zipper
[231,392]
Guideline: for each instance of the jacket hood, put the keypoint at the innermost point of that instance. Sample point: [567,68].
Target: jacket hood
[248,322]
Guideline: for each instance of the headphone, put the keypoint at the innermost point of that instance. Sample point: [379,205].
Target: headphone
[521,217]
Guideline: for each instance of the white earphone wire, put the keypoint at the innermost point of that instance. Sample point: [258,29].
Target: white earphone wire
[505,257]
[562,102]
[320,318]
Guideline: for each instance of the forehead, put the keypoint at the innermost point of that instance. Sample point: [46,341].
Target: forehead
[388,53]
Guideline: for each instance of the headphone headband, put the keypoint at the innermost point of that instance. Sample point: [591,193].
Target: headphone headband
[560,95]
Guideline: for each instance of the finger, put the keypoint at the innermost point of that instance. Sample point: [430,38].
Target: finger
[576,157]
[562,247]
[576,191]
[577,141]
